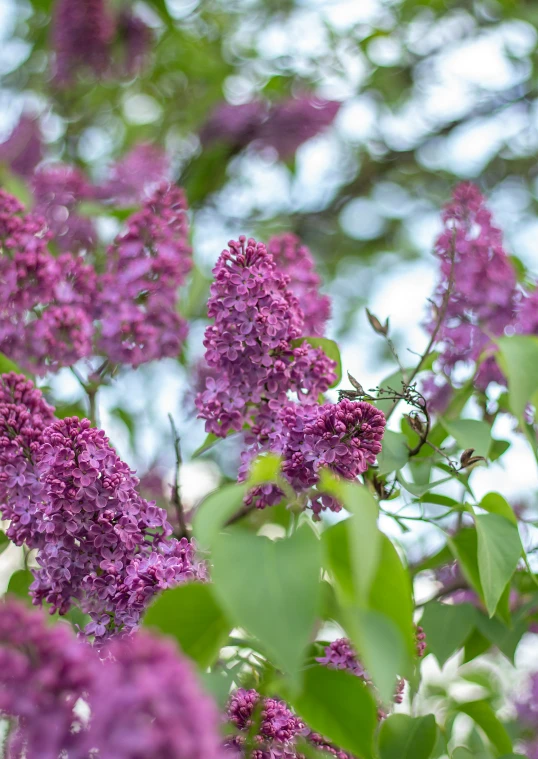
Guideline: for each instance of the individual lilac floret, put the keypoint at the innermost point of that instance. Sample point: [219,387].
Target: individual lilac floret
[136,175]
[296,120]
[81,36]
[23,149]
[44,669]
[106,548]
[295,259]
[24,415]
[58,189]
[145,268]
[147,702]
[250,344]
[235,125]
[483,296]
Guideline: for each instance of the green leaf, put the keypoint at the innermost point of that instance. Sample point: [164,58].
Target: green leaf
[359,539]
[447,627]
[394,454]
[518,357]
[272,589]
[214,512]
[265,468]
[190,614]
[4,540]
[420,490]
[496,504]
[402,737]
[340,707]
[505,638]
[7,365]
[19,584]
[470,433]
[461,753]
[484,716]
[499,551]
[124,416]
[208,443]
[329,347]
[464,547]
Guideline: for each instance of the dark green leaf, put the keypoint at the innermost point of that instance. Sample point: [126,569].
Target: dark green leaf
[340,707]
[19,584]
[499,551]
[190,614]
[484,716]
[402,737]
[447,627]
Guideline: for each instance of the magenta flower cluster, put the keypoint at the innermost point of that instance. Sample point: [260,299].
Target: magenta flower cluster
[483,295]
[57,310]
[99,544]
[23,148]
[143,697]
[251,342]
[283,127]
[85,35]
[145,268]
[295,260]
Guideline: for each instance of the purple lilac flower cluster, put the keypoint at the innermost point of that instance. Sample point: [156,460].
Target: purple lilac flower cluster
[84,36]
[295,260]
[256,319]
[44,669]
[143,696]
[44,317]
[284,127]
[67,493]
[51,306]
[483,295]
[145,268]
[131,179]
[24,415]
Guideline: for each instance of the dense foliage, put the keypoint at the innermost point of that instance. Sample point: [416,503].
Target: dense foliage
[286,614]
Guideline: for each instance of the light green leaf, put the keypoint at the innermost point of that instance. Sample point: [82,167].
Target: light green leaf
[470,433]
[265,468]
[340,707]
[214,512]
[420,490]
[208,443]
[329,347]
[272,589]
[394,454]
[484,716]
[518,357]
[461,753]
[496,504]
[363,536]
[190,614]
[404,737]
[499,551]
[464,547]
[447,627]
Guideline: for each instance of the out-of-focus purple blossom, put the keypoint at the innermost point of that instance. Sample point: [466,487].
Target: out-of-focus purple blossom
[296,120]
[24,415]
[483,297]
[340,654]
[44,669]
[250,344]
[46,317]
[438,393]
[102,546]
[135,37]
[527,315]
[135,175]
[527,712]
[58,190]
[145,268]
[295,260]
[147,702]
[81,37]
[235,125]
[23,149]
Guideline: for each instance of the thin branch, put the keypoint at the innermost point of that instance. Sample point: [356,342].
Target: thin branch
[183,531]
[445,591]
[243,511]
[440,319]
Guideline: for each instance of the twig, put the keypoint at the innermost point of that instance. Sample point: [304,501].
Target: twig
[440,319]
[243,511]
[446,591]
[91,393]
[183,531]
